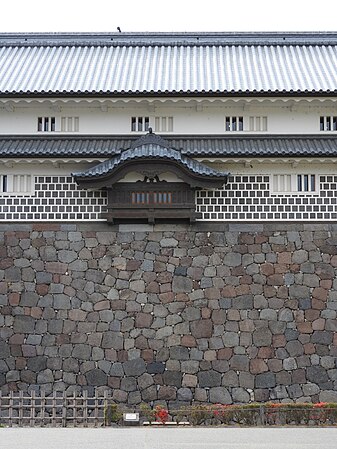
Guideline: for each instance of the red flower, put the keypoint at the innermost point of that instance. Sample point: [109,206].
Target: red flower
[319,405]
[161,414]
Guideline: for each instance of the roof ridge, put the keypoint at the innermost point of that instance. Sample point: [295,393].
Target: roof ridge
[168,38]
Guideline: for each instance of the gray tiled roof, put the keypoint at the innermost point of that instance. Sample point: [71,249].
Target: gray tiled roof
[147,151]
[146,64]
[217,146]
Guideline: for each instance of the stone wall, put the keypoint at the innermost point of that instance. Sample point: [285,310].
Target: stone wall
[214,312]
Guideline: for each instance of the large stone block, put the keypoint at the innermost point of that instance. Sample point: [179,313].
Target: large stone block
[23,324]
[262,337]
[265,380]
[209,378]
[317,374]
[96,377]
[173,378]
[202,328]
[135,367]
[112,340]
[182,284]
[219,395]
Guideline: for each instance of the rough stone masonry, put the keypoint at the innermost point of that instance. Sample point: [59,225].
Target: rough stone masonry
[214,312]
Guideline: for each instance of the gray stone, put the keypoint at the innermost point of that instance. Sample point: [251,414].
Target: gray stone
[155,368]
[325,270]
[23,324]
[116,370]
[4,350]
[200,261]
[82,351]
[179,353]
[202,328]
[209,378]
[61,302]
[239,363]
[240,395]
[265,380]
[262,337]
[70,365]
[230,339]
[168,243]
[300,256]
[225,303]
[232,259]
[145,381]
[37,364]
[191,314]
[55,326]
[96,377]
[65,256]
[112,340]
[129,384]
[328,396]
[219,395]
[295,391]
[184,394]
[78,265]
[322,337]
[29,299]
[294,348]
[180,271]
[299,291]
[172,378]
[286,315]
[147,265]
[310,389]
[45,377]
[181,284]
[304,303]
[243,302]
[317,374]
[134,367]
[289,363]
[190,366]
[12,376]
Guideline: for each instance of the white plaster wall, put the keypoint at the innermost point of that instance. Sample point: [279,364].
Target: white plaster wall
[189,118]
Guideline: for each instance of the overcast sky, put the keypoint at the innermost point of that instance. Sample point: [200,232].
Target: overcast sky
[169,15]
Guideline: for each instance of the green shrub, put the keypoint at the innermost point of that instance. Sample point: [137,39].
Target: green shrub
[112,414]
[147,412]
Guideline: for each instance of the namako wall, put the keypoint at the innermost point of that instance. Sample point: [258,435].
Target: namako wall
[214,312]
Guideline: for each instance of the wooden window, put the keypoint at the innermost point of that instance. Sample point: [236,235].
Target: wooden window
[46,124]
[16,184]
[151,197]
[306,183]
[163,124]
[258,123]
[70,124]
[292,183]
[328,123]
[140,123]
[234,123]
[282,183]
[4,187]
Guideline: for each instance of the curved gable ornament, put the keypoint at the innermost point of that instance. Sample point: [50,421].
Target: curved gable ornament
[151,156]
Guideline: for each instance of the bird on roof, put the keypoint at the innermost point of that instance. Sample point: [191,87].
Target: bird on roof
[118,28]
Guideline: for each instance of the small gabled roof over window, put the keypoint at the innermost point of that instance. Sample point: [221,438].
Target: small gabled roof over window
[151,155]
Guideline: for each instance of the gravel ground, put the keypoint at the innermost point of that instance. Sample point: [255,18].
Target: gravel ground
[177,438]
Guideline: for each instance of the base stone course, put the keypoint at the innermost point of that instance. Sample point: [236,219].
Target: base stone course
[211,312]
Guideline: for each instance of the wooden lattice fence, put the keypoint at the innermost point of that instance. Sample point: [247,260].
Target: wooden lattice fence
[28,409]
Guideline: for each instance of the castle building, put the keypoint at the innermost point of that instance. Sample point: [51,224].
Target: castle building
[168,209]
